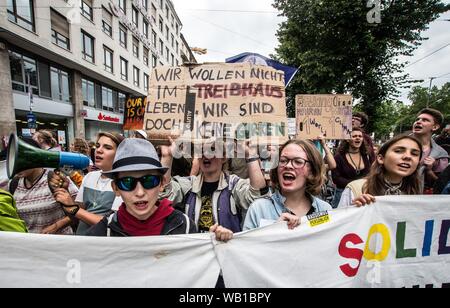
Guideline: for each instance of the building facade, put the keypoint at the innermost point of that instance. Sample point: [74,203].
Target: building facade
[72,64]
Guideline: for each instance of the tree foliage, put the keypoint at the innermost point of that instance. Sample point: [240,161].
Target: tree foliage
[421,97]
[339,51]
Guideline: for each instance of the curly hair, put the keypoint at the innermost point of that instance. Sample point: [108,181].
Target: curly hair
[344,146]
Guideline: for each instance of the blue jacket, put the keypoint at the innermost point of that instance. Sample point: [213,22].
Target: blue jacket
[272,208]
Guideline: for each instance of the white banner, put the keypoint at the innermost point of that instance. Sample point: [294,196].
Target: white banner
[400,241]
[29,260]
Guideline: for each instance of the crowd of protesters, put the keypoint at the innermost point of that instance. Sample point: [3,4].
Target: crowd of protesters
[131,189]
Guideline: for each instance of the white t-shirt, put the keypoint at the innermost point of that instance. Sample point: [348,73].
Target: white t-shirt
[97,196]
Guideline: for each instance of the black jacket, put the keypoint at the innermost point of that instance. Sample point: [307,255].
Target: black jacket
[176,223]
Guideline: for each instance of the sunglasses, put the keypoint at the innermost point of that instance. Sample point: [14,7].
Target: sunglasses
[129,183]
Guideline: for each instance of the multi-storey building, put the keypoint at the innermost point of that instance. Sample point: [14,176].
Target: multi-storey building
[81,60]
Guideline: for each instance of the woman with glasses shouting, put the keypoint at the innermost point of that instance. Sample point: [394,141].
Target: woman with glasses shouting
[297,180]
[137,176]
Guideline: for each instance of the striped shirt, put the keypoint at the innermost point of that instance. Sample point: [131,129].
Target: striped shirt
[37,207]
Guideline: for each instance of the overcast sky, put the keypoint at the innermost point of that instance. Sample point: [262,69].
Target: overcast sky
[228,28]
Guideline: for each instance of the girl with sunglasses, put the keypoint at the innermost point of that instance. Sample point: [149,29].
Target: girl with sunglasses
[137,177]
[96,197]
[296,181]
[394,172]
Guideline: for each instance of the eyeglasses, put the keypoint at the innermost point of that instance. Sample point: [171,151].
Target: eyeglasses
[129,183]
[297,162]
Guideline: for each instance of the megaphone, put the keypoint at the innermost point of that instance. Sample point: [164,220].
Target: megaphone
[22,156]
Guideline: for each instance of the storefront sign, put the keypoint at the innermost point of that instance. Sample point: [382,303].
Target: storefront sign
[103,116]
[106,118]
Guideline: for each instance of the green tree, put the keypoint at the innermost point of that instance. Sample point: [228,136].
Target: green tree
[339,51]
[421,97]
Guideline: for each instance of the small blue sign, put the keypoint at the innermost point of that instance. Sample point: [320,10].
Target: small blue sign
[31,119]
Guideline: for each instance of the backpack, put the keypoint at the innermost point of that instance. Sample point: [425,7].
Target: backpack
[9,219]
[226,217]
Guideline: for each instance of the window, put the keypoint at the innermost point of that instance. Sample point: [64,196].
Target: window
[122,101]
[161,48]
[161,24]
[23,72]
[88,93]
[161,4]
[154,38]
[167,33]
[123,6]
[86,9]
[146,56]
[60,85]
[60,30]
[135,47]
[135,17]
[108,59]
[167,55]
[87,43]
[177,29]
[178,63]
[146,82]
[172,20]
[124,69]
[153,13]
[123,36]
[107,22]
[21,12]
[173,60]
[136,73]
[145,29]
[167,12]
[177,49]
[145,4]
[107,99]
[154,61]
[173,40]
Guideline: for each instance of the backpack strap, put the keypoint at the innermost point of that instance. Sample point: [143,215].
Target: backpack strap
[13,184]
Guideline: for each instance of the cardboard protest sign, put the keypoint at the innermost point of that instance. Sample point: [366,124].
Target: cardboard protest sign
[134,113]
[222,101]
[327,115]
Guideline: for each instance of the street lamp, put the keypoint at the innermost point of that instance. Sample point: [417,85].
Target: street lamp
[429,91]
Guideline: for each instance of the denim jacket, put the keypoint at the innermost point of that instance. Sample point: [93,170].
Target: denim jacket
[272,208]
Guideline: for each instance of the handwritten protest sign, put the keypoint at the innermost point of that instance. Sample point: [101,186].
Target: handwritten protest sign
[328,115]
[134,113]
[222,101]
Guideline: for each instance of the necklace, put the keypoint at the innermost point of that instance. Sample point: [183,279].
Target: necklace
[357,168]
[392,189]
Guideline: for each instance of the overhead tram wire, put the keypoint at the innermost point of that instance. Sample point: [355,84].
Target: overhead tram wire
[427,56]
